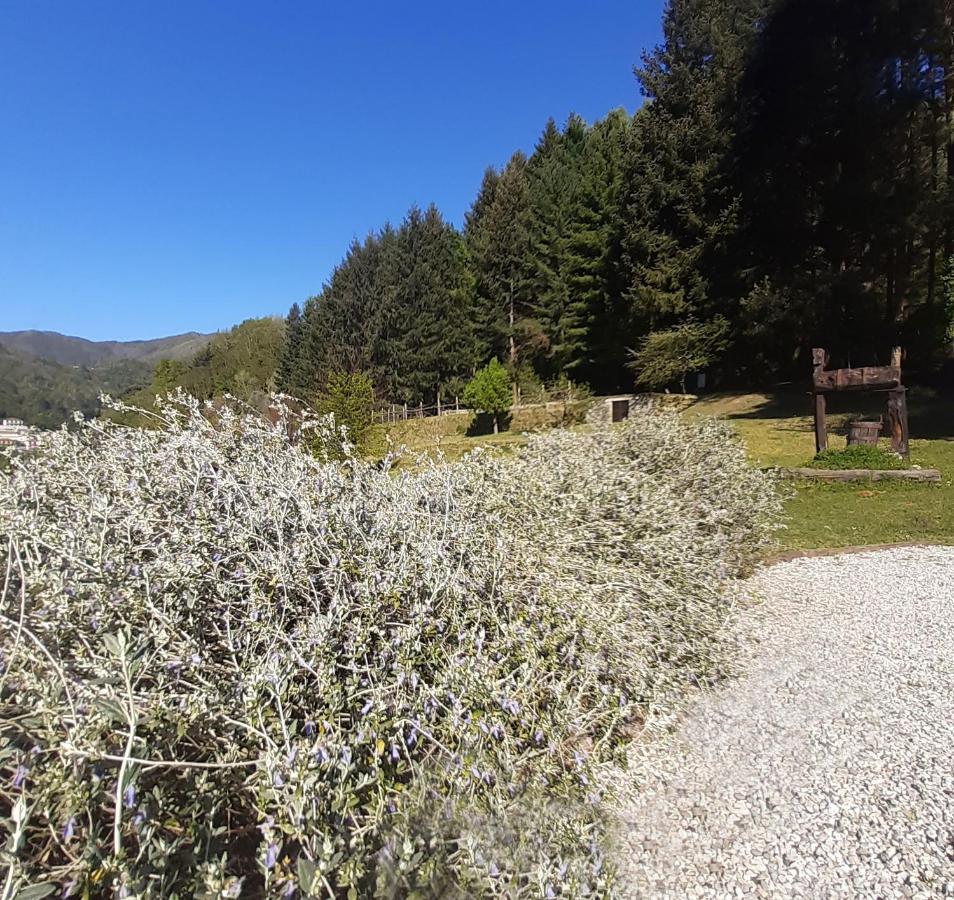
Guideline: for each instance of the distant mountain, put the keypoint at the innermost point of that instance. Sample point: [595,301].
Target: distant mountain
[45,376]
[66,350]
[46,393]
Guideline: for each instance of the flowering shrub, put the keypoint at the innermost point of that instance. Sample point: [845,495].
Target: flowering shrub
[230,669]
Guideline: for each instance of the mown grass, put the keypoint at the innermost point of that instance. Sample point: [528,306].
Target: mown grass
[777,430]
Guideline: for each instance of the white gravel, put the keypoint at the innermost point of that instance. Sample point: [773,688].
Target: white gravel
[827,769]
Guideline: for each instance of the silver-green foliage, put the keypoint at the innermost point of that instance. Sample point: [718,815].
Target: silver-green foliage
[229,668]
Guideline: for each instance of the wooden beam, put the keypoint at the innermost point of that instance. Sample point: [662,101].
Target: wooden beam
[821,425]
[898,421]
[867,378]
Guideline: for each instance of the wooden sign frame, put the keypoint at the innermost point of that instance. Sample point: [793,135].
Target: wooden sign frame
[870,378]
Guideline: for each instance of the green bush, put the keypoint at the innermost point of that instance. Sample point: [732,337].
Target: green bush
[490,391]
[230,669]
[857,456]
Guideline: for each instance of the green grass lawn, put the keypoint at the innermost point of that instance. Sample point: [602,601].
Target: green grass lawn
[777,431]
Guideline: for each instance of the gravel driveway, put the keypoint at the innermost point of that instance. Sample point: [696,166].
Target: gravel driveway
[827,770]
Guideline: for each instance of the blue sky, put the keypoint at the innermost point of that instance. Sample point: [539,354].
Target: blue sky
[185,164]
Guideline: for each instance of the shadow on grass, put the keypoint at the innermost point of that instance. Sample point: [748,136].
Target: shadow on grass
[483,424]
[931,415]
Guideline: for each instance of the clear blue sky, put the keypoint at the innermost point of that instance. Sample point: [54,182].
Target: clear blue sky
[185,164]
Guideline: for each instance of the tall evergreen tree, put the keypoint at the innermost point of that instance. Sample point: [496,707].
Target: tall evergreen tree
[291,348]
[840,163]
[498,243]
[682,204]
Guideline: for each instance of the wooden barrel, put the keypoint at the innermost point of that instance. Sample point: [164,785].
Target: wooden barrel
[864,432]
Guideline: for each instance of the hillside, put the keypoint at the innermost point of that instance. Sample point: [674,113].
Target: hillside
[46,393]
[67,350]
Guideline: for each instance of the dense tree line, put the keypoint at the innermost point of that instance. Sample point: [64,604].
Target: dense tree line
[791,173]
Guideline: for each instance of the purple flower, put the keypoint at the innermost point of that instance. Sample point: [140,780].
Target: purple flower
[309,729]
[19,776]
[269,822]
[129,797]
[538,736]
[290,758]
[346,755]
[195,659]
[271,856]
[366,708]
[68,829]
[277,780]
[234,888]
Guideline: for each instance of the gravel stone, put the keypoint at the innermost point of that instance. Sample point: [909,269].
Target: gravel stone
[827,768]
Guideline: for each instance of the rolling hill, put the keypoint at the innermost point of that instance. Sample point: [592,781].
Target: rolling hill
[67,350]
[45,376]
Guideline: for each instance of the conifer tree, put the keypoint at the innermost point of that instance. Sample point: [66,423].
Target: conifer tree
[498,244]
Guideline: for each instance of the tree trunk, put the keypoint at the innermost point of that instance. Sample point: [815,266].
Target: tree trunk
[496,424]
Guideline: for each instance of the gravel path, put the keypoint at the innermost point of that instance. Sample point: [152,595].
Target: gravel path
[827,770]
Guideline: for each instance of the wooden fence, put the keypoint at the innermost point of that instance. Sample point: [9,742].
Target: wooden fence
[397,412]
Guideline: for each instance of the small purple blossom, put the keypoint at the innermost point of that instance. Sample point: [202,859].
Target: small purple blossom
[233,889]
[367,708]
[139,819]
[129,796]
[271,856]
[68,829]
[278,781]
[309,728]
[19,776]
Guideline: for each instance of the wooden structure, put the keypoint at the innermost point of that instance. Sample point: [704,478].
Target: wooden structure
[885,379]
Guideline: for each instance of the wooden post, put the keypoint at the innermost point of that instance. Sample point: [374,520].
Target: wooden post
[898,421]
[420,410]
[457,404]
[405,412]
[821,426]
[438,402]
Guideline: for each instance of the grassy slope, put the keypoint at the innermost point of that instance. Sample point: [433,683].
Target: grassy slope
[778,431]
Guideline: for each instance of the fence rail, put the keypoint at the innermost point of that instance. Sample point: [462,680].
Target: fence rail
[401,412]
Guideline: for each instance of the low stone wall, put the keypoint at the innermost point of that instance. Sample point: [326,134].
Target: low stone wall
[924,475]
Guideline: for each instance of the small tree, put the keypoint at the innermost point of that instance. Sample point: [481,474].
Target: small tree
[489,391]
[349,397]
[667,356]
